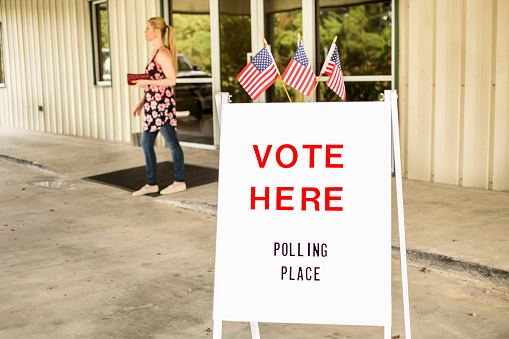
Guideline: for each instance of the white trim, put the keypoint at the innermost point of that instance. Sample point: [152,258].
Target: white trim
[215,51]
[257,33]
[363,78]
[393,43]
[195,80]
[308,31]
[103,83]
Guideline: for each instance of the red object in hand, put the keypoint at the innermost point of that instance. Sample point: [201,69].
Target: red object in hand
[133,77]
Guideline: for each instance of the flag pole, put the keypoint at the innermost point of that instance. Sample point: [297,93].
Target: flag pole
[314,89]
[288,95]
[318,81]
[300,93]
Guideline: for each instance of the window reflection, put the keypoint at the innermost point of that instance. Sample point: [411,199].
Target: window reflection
[104,42]
[192,32]
[283,22]
[193,92]
[235,36]
[364,43]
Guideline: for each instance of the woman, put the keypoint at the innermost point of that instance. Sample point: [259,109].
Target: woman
[159,105]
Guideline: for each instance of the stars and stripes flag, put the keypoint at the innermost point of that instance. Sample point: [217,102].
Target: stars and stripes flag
[298,74]
[259,73]
[332,67]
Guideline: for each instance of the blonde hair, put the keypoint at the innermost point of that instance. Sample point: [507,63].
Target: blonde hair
[170,42]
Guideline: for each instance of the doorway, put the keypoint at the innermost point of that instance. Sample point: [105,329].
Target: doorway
[193,92]
[217,38]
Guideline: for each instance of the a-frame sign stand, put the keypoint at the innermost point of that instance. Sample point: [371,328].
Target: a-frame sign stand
[391,103]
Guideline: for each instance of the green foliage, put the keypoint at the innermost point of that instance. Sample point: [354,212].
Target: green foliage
[192,32]
[364,43]
[283,41]
[102,10]
[235,33]
[364,37]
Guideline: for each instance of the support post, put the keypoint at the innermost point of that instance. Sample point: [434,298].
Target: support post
[218,329]
[255,331]
[393,97]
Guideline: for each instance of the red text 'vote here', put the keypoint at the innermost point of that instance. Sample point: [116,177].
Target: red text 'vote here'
[289,198]
[332,155]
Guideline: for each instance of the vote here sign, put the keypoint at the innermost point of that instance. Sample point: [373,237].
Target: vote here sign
[304,214]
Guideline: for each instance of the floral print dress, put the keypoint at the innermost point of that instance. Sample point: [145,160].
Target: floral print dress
[159,101]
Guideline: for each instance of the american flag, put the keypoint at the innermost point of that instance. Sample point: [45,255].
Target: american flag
[332,67]
[259,73]
[298,74]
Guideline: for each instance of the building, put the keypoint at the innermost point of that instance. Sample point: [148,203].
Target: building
[63,67]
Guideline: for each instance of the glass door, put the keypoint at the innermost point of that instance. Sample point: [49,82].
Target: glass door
[235,26]
[283,23]
[193,92]
[243,26]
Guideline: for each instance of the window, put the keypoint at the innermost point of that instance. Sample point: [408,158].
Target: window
[235,39]
[283,22]
[365,48]
[101,42]
[193,92]
[2,79]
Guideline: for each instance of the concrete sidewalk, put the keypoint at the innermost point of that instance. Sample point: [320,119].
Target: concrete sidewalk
[82,259]
[456,229]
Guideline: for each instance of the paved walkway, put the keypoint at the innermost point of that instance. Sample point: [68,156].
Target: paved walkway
[117,280]
[461,230]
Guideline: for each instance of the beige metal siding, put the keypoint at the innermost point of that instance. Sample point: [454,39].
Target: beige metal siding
[453,80]
[48,58]
[477,92]
[454,117]
[420,79]
[449,77]
[402,53]
[500,175]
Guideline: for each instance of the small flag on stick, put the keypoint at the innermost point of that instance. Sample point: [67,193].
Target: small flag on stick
[332,67]
[298,74]
[259,74]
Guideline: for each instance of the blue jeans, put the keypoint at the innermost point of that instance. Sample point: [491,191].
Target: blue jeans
[147,143]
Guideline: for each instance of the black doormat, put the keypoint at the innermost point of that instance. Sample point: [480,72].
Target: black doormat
[133,179]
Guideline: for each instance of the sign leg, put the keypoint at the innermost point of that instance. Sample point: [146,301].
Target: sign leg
[387,332]
[401,214]
[218,329]
[255,331]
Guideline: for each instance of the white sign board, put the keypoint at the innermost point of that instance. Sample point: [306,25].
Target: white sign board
[304,214]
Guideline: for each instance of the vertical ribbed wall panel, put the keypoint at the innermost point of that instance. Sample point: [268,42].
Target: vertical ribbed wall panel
[27,61]
[500,176]
[139,49]
[403,64]
[453,75]
[448,91]
[120,92]
[12,67]
[36,51]
[420,78]
[478,62]
[48,62]
[3,92]
[454,78]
